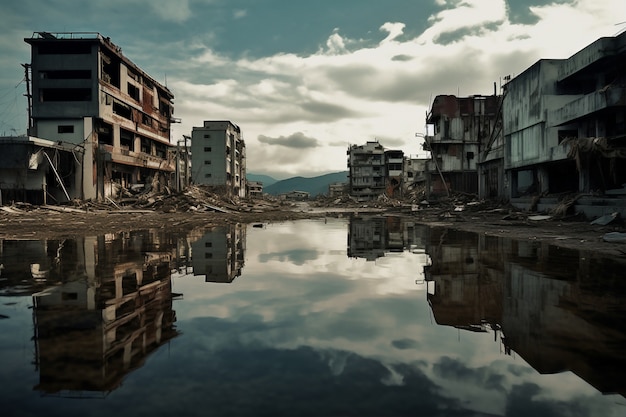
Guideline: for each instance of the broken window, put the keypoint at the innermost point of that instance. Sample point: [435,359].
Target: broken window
[160,150]
[110,70]
[104,132]
[127,139]
[122,110]
[64,94]
[146,146]
[133,91]
[146,120]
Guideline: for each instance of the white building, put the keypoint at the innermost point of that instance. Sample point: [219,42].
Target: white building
[218,157]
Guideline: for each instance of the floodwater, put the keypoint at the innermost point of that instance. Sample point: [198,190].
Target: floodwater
[353,317]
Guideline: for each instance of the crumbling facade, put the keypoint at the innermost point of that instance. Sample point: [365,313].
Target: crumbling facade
[374,171]
[462,127]
[218,157]
[565,126]
[110,117]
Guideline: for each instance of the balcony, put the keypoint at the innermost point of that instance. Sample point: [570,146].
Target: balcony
[610,96]
[140,159]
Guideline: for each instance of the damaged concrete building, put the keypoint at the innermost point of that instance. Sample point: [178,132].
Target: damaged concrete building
[565,129]
[218,157]
[374,171]
[97,124]
[462,129]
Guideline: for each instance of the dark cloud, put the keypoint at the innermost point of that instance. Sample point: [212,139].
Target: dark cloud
[453,369]
[402,58]
[297,141]
[326,111]
[298,257]
[526,400]
[405,344]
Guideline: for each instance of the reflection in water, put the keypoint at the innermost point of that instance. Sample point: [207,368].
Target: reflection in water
[219,254]
[559,309]
[372,236]
[403,320]
[100,306]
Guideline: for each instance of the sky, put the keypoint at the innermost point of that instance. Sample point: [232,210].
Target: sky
[305,80]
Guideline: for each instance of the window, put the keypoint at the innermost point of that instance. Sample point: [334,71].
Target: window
[207,136]
[65,129]
[133,91]
[208,244]
[208,255]
[207,175]
[65,94]
[207,149]
[65,74]
[122,110]
[207,162]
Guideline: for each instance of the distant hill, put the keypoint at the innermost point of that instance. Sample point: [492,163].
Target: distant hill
[265,179]
[314,186]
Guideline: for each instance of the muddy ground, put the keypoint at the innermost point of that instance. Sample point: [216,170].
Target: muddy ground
[19,222]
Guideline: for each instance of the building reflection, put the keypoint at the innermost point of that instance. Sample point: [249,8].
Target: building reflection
[218,254]
[101,305]
[559,309]
[370,237]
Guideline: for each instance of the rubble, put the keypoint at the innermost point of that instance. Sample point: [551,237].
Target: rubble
[200,207]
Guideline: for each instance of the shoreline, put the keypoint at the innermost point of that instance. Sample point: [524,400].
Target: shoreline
[42,223]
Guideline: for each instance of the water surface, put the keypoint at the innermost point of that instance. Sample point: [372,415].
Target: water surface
[363,316]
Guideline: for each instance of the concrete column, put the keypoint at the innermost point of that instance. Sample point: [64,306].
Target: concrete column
[88,180]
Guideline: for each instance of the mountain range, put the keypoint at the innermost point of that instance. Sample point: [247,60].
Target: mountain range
[314,186]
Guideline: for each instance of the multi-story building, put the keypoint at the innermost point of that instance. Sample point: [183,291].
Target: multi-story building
[462,127]
[565,126]
[414,169]
[366,165]
[394,170]
[255,189]
[108,121]
[218,157]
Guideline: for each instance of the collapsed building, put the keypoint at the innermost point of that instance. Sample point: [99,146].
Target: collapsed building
[97,124]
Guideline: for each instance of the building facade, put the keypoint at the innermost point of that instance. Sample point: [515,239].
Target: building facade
[374,171]
[218,157]
[565,125]
[461,126]
[255,189]
[110,115]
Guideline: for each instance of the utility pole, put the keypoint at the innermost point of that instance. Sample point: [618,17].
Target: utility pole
[29,97]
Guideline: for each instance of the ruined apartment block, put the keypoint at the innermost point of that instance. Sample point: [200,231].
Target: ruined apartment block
[218,157]
[565,129]
[374,171]
[109,120]
[462,128]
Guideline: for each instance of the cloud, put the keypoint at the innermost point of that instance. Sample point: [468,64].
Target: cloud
[349,85]
[240,13]
[297,140]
